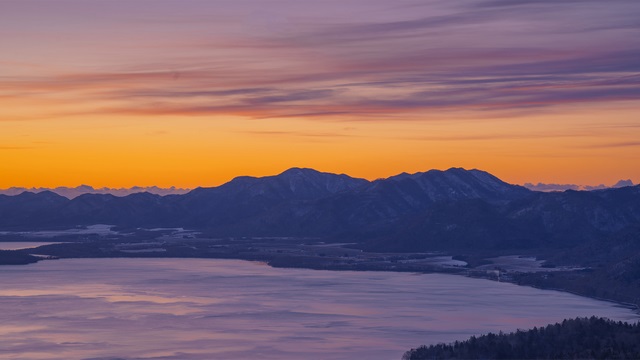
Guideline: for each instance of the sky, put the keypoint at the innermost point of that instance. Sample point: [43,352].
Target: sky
[192,93]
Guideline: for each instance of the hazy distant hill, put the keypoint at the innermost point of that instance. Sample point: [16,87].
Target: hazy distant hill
[564,187]
[73,192]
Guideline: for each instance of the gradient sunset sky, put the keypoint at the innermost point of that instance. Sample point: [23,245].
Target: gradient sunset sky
[192,93]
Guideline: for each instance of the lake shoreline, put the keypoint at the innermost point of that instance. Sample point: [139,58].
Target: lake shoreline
[323,264]
[627,305]
[201,309]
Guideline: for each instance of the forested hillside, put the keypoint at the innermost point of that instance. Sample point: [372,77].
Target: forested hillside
[582,338]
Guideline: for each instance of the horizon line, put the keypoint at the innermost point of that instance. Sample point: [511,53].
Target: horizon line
[528,184]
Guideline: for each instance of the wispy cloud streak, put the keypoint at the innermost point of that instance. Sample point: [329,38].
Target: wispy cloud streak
[441,56]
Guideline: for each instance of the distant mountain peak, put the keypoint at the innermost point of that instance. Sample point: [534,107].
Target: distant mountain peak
[623,183]
[459,183]
[314,183]
[451,170]
[292,184]
[458,169]
[296,171]
[563,187]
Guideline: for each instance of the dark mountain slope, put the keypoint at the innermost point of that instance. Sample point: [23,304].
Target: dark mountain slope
[386,201]
[460,184]
[246,204]
[461,225]
[28,209]
[131,210]
[364,208]
[539,220]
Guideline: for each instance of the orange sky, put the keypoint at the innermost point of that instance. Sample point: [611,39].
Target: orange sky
[108,94]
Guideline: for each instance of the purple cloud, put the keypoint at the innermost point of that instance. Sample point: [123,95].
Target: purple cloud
[356,59]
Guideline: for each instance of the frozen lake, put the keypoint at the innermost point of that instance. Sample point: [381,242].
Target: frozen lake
[233,309]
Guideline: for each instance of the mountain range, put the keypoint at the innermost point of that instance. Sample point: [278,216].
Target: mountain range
[433,210]
[73,192]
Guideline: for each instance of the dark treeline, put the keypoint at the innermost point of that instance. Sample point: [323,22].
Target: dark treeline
[581,338]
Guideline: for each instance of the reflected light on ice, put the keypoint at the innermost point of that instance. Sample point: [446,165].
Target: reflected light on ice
[232,309]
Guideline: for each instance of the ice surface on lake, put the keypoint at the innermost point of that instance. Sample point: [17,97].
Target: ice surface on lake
[232,309]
